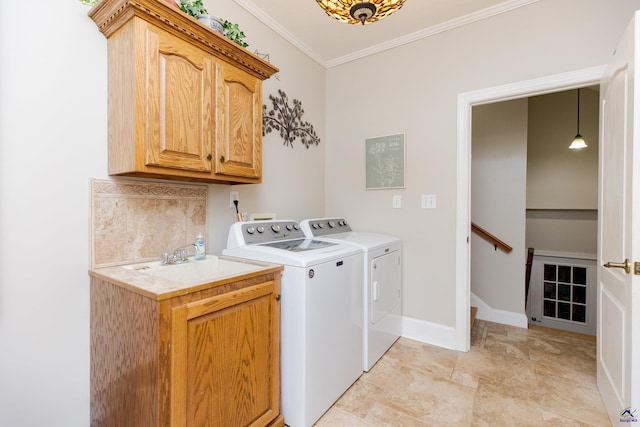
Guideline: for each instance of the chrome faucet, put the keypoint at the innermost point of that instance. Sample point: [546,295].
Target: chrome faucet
[180,255]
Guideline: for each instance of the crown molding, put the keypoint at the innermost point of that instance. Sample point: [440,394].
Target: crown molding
[433,30]
[390,44]
[250,7]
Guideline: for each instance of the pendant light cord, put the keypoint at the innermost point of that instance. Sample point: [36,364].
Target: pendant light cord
[578,111]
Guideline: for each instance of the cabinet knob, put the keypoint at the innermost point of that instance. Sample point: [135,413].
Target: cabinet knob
[278,297]
[221,159]
[209,156]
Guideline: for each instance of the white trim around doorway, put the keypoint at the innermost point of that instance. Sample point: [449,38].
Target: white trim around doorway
[466,100]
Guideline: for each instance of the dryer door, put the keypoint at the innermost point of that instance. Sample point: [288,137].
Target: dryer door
[385,282]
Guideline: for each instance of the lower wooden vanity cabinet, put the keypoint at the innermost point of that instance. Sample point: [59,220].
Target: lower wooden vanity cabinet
[204,356]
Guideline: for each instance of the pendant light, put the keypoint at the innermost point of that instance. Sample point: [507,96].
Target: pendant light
[578,142]
[359,11]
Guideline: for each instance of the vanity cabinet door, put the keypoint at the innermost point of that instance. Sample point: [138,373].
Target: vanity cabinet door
[239,121]
[225,359]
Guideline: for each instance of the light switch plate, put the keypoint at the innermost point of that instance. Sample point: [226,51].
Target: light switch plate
[397,201]
[428,201]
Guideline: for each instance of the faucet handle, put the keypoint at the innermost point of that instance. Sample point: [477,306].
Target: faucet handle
[180,255]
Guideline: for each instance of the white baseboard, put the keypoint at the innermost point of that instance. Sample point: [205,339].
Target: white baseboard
[488,313]
[429,333]
[445,336]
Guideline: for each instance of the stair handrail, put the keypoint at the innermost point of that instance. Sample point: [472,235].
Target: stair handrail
[497,243]
[527,278]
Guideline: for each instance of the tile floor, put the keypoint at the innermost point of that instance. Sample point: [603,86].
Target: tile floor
[511,377]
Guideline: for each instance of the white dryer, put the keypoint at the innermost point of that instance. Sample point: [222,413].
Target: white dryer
[321,335]
[382,282]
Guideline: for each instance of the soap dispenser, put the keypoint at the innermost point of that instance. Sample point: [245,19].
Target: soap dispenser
[200,249]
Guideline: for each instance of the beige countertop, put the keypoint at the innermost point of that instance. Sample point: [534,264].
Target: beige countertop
[166,281]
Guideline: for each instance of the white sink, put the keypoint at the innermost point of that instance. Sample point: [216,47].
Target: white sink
[195,271]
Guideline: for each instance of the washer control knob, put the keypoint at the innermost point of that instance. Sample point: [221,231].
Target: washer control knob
[289,227]
[295,227]
[320,225]
[314,225]
[275,228]
[260,229]
[332,224]
[251,230]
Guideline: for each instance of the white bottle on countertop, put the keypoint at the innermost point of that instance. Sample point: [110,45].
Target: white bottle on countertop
[200,249]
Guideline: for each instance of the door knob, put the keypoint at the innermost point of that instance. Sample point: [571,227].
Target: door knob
[626,265]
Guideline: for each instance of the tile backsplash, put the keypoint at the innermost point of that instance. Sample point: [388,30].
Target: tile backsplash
[135,221]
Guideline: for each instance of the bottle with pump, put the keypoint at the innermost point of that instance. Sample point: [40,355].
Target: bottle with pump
[200,249]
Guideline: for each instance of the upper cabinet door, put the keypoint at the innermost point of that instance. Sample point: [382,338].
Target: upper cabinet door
[179,106]
[239,123]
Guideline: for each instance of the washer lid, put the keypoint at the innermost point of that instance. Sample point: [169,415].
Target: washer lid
[299,245]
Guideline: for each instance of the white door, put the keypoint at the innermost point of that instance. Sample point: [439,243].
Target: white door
[619,234]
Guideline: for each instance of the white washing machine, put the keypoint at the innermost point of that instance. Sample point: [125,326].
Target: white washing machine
[382,282]
[321,334]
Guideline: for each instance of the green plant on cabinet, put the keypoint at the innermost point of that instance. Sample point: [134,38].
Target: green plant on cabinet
[195,8]
[234,33]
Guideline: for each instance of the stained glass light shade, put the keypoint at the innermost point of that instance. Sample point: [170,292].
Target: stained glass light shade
[359,12]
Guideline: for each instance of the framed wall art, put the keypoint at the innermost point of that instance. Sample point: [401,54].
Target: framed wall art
[385,162]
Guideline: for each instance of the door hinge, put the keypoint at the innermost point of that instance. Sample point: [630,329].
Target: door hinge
[636,268]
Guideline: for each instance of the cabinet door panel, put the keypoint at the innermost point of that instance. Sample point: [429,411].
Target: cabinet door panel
[239,120]
[179,106]
[228,353]
[226,357]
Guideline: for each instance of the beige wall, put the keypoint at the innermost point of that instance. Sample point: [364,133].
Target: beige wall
[53,139]
[413,89]
[498,188]
[563,230]
[293,178]
[559,178]
[562,184]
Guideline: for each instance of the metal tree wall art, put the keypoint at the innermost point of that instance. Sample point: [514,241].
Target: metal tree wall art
[288,121]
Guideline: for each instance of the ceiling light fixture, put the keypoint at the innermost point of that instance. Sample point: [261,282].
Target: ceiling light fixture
[578,142]
[359,12]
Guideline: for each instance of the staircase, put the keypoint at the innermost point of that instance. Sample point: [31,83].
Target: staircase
[474,310]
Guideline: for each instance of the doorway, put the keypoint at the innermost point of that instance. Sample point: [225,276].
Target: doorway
[466,101]
[562,209]
[535,193]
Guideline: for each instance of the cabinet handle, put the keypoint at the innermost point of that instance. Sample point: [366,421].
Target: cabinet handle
[209,156]
[278,297]
[221,159]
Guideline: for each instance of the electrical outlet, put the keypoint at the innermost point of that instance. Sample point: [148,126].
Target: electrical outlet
[233,195]
[397,201]
[428,201]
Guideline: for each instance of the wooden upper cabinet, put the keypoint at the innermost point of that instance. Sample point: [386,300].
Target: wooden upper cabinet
[185,103]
